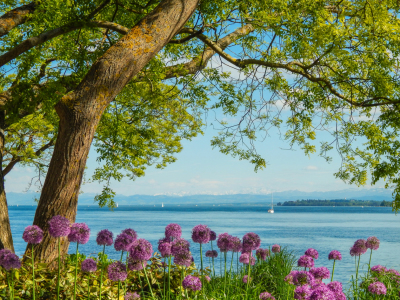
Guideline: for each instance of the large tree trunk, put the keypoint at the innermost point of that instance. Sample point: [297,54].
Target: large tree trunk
[81,110]
[6,240]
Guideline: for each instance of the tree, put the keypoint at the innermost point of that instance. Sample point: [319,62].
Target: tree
[333,65]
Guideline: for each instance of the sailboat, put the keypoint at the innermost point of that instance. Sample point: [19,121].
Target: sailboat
[116,204]
[271,211]
[162,204]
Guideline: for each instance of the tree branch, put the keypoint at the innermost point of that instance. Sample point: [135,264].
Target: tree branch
[15,17]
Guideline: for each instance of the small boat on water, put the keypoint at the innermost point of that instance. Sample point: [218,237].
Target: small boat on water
[271,211]
[162,204]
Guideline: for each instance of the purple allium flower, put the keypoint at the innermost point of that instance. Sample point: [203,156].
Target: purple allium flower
[393,271]
[312,253]
[245,277]
[305,261]
[165,249]
[123,242]
[207,278]
[136,265]
[10,261]
[236,244]
[377,288]
[245,257]
[59,226]
[276,248]
[224,242]
[290,276]
[322,292]
[192,283]
[213,236]
[131,296]
[303,278]
[320,273]
[79,233]
[212,253]
[335,286]
[89,265]
[117,271]
[266,296]
[302,292]
[358,248]
[130,232]
[33,234]
[251,241]
[141,250]
[334,254]
[183,259]
[262,253]
[179,246]
[104,238]
[173,231]
[379,269]
[3,255]
[372,243]
[201,234]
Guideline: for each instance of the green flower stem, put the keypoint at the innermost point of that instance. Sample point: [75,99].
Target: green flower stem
[225,273]
[201,264]
[59,266]
[141,285]
[164,278]
[230,274]
[119,281]
[369,264]
[12,284]
[101,272]
[333,269]
[76,269]
[147,278]
[358,266]
[33,276]
[88,286]
[127,256]
[169,277]
[213,260]
[248,276]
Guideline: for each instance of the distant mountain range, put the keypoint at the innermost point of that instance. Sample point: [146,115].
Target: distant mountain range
[87,198]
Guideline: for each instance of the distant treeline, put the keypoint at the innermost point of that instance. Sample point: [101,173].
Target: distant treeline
[336,202]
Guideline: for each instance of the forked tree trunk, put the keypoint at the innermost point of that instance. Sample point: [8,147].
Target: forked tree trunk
[6,240]
[81,110]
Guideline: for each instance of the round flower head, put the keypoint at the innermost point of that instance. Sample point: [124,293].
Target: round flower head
[117,271]
[224,242]
[303,278]
[123,242]
[290,276]
[246,278]
[173,231]
[104,238]
[165,249]
[266,296]
[372,243]
[378,269]
[179,246]
[79,233]
[335,286]
[334,254]
[136,265]
[262,253]
[245,257]
[251,241]
[312,253]
[320,273]
[358,248]
[393,272]
[322,292]
[276,248]
[131,296]
[11,261]
[192,283]
[213,236]
[207,278]
[201,234]
[88,265]
[302,292]
[59,226]
[33,234]
[141,250]
[236,244]
[377,288]
[3,256]
[183,259]
[212,253]
[305,261]
[130,232]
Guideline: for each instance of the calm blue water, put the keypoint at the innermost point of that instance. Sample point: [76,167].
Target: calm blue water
[298,228]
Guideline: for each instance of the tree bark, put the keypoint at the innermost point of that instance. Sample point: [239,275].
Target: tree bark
[15,17]
[6,240]
[81,110]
